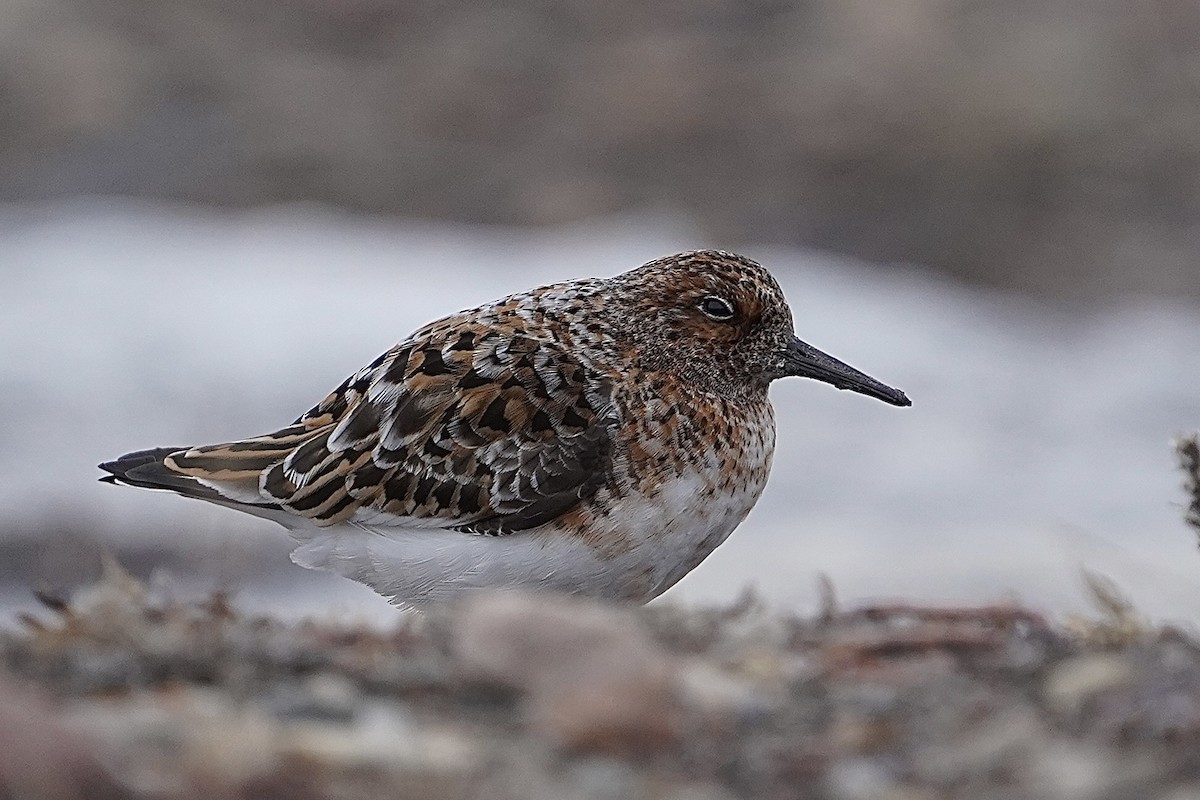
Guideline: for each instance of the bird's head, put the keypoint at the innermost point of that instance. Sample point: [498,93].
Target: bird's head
[720,321]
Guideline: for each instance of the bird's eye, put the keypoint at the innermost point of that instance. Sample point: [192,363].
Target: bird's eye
[717,308]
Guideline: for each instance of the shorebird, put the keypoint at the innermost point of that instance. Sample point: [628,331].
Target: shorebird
[597,437]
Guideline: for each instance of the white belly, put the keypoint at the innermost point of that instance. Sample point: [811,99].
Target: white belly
[636,551]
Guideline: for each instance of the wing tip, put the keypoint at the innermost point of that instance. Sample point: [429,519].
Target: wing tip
[145,469]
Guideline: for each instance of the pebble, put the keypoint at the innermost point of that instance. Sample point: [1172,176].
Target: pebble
[592,677]
[1078,679]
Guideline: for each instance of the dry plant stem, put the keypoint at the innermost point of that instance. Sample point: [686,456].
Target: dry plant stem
[910,630]
[1188,448]
[993,616]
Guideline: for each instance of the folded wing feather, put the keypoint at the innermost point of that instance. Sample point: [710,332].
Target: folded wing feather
[464,426]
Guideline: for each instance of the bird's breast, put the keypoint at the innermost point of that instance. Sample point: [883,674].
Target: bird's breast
[687,478]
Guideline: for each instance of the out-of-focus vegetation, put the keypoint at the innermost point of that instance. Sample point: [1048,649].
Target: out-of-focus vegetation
[1051,145]
[1188,448]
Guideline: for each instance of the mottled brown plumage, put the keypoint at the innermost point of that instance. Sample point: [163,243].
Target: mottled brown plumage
[610,414]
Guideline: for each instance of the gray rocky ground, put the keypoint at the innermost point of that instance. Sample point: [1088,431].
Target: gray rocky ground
[123,692]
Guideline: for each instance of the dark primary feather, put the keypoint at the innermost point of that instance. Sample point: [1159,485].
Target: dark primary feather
[474,427]
[145,469]
[146,461]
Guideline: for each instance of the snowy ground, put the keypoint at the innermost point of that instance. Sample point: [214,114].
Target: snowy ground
[1038,441]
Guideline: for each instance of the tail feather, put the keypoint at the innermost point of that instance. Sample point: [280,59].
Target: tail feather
[241,461]
[147,469]
[143,468]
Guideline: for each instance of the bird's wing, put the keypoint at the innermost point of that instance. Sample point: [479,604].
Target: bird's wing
[463,426]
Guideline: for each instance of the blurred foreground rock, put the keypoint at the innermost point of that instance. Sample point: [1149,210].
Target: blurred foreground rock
[123,693]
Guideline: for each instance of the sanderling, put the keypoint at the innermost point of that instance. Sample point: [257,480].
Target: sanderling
[598,437]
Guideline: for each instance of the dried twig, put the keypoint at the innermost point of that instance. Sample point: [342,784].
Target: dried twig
[827,607]
[1119,625]
[993,616]
[1188,448]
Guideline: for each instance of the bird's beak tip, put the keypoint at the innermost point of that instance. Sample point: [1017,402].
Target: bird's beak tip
[805,361]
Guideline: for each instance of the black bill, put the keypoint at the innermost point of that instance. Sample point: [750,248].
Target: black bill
[805,361]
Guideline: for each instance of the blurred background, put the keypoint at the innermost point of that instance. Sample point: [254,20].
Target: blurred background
[213,211]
